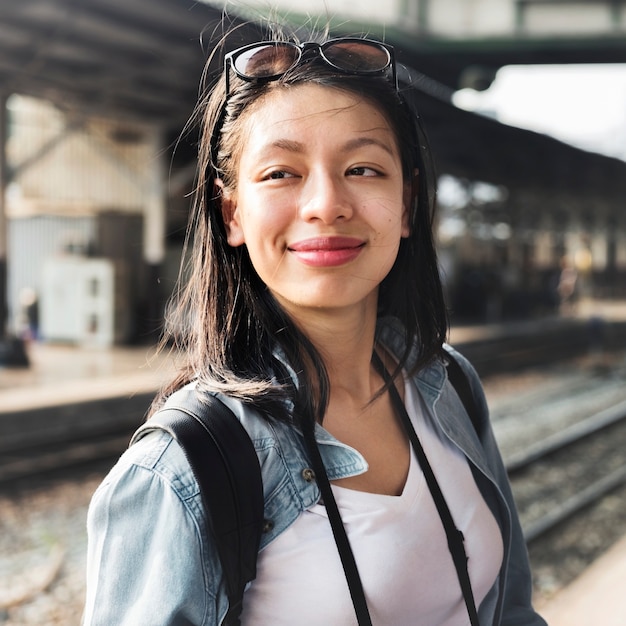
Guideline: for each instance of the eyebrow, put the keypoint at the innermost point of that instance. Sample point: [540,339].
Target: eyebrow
[353,144]
[359,142]
[288,145]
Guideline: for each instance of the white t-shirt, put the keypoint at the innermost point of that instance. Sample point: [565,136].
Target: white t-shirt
[399,545]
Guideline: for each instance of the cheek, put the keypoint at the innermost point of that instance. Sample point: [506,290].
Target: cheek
[393,220]
[267,214]
[263,229]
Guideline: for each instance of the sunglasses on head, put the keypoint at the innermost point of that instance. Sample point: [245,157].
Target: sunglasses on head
[267,61]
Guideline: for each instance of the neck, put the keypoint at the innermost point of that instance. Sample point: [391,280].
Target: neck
[345,342]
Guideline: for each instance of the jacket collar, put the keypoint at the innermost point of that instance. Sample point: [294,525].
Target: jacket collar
[431,382]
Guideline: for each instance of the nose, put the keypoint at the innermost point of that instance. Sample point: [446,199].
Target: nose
[326,199]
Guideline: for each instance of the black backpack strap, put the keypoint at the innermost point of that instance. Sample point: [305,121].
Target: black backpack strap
[461,384]
[224,462]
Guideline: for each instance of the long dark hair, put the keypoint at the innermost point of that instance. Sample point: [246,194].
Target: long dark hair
[233,335]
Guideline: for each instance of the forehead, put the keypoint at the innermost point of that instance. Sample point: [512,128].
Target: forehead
[308,107]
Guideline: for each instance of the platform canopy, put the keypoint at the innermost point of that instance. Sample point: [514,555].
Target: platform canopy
[132,59]
[143,59]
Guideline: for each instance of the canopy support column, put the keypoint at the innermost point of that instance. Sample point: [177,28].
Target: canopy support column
[154,234]
[12,352]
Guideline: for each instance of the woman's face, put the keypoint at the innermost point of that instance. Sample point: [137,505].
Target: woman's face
[320,200]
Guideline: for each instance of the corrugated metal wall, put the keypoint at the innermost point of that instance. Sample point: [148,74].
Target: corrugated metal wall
[33,240]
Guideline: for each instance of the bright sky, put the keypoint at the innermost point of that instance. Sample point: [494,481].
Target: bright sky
[582,104]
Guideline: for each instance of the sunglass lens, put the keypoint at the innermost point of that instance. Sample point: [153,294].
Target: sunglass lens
[354,56]
[265,61]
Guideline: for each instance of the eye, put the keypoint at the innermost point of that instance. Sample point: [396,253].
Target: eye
[278,175]
[362,171]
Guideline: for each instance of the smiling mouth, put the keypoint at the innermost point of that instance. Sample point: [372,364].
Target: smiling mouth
[327,251]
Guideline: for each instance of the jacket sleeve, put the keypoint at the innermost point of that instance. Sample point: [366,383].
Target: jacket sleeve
[149,560]
[517,607]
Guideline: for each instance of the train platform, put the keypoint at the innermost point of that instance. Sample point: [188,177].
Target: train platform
[60,374]
[596,597]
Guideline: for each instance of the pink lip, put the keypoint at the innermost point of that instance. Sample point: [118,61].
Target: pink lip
[327,251]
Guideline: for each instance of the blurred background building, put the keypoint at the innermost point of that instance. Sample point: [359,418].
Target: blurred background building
[97,171]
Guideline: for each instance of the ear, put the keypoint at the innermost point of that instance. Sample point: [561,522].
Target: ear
[230,215]
[408,196]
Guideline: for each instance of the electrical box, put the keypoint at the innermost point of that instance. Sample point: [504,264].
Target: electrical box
[83,300]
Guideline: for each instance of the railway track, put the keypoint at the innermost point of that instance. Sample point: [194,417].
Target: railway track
[560,476]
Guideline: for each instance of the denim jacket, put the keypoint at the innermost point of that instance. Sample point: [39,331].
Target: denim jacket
[151,561]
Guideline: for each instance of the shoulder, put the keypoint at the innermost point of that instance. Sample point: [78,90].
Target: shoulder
[452,353]
[147,469]
[146,517]
[278,446]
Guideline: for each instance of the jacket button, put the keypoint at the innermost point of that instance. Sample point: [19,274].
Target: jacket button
[308,474]
[268,525]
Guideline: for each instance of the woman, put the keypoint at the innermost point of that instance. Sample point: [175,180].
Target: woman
[314,309]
